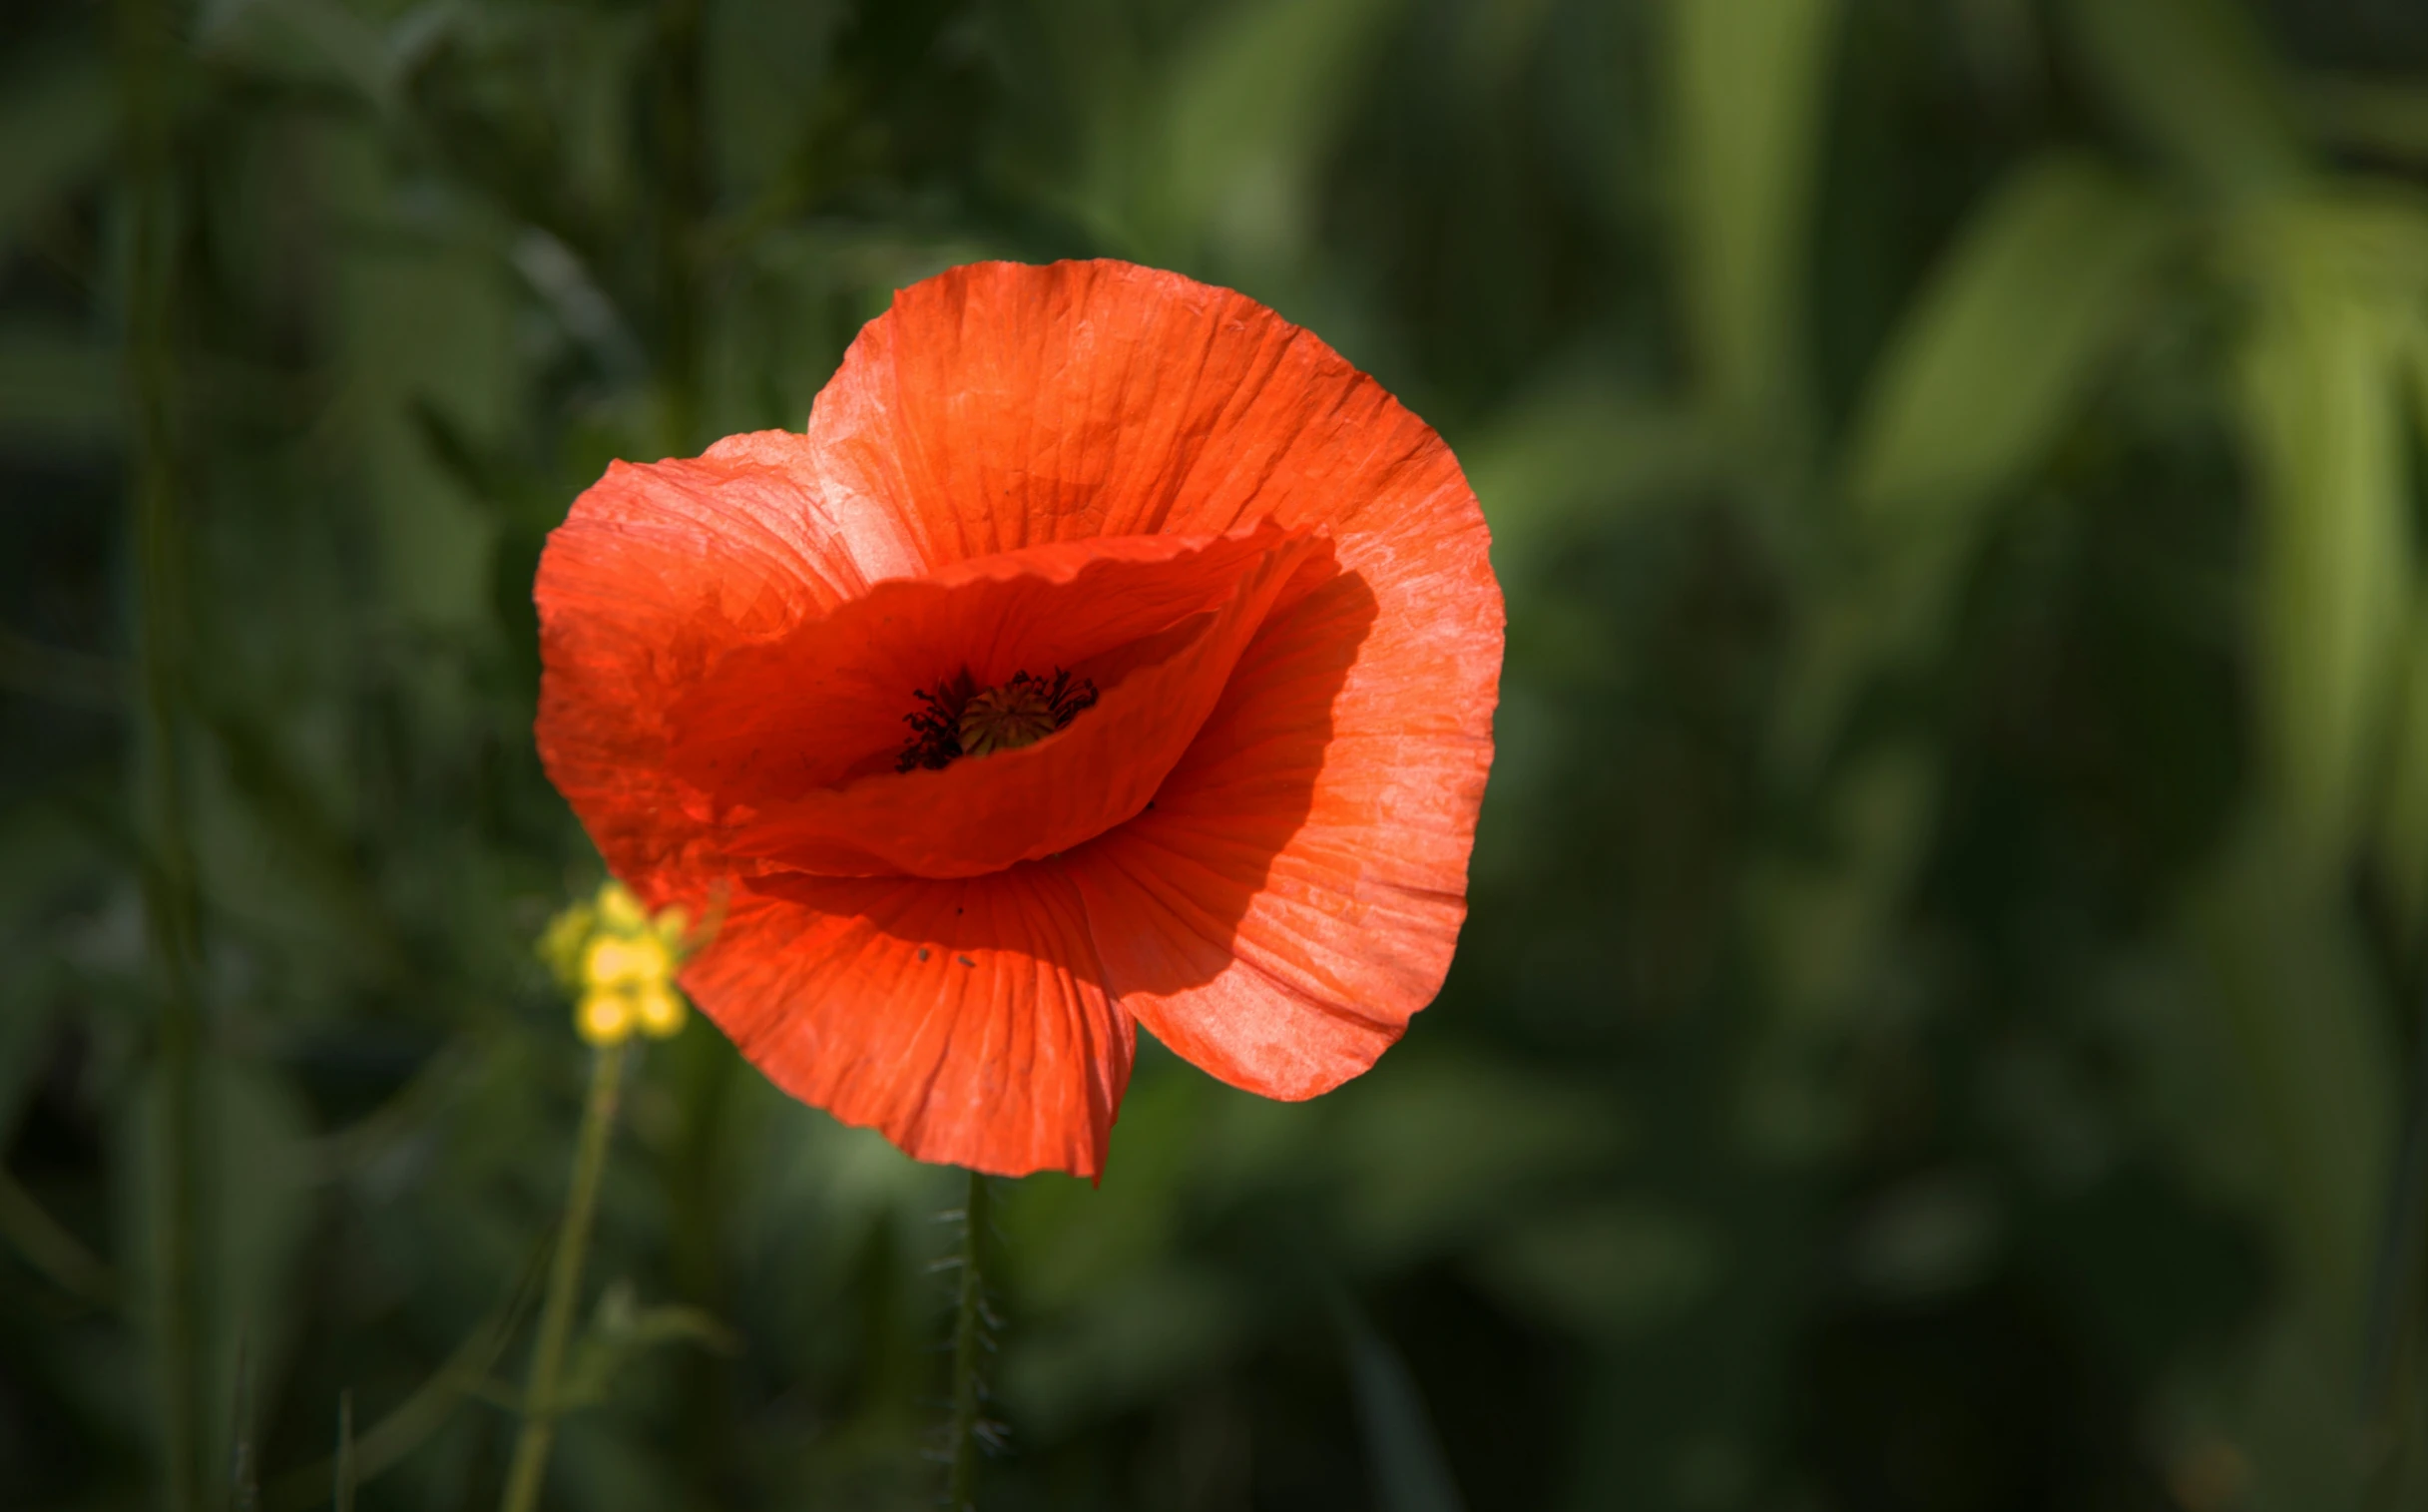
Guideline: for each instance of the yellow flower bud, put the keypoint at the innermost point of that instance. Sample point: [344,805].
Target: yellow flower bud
[605,1018]
[567,936]
[620,961]
[618,909]
[659,1010]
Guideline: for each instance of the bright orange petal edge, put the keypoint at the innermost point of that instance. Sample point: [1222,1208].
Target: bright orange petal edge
[1255,843]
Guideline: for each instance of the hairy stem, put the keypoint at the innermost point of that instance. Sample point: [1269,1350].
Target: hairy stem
[540,1406]
[969,1347]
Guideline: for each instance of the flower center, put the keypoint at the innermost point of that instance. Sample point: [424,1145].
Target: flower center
[962,719]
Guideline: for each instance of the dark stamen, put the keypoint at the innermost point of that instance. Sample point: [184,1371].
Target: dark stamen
[936,732]
[961,720]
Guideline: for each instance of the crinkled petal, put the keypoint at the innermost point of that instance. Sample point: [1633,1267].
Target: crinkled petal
[659,572]
[964,1020]
[1296,892]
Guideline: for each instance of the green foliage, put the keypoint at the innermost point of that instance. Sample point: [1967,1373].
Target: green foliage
[1936,1027]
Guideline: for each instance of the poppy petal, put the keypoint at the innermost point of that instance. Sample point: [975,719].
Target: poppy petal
[1285,906]
[963,1020]
[1175,629]
[660,570]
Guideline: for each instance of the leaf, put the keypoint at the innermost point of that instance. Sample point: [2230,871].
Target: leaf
[1411,1473]
[2003,344]
[2295,992]
[1996,352]
[2322,423]
[255,1202]
[2195,79]
[1750,80]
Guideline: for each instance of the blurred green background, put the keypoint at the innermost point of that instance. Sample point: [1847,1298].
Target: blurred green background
[1941,1021]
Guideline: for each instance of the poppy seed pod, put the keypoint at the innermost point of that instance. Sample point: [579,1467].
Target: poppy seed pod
[1108,650]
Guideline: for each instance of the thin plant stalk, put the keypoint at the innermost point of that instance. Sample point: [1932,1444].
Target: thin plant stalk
[969,1347]
[540,1405]
[146,36]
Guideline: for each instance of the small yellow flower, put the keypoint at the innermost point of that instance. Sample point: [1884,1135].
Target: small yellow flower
[618,909]
[658,1009]
[603,1018]
[620,963]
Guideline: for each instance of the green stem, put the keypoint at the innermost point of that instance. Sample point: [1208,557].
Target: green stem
[146,32]
[540,1405]
[969,1347]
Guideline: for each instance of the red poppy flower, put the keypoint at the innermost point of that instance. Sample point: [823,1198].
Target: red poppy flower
[1108,650]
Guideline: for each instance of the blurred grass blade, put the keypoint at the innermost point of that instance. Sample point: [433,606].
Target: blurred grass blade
[2307,1028]
[2402,834]
[2003,344]
[466,1373]
[342,1471]
[243,1475]
[1994,356]
[1750,80]
[1256,100]
[1411,1474]
[2322,422]
[1578,452]
[255,1210]
[2195,79]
